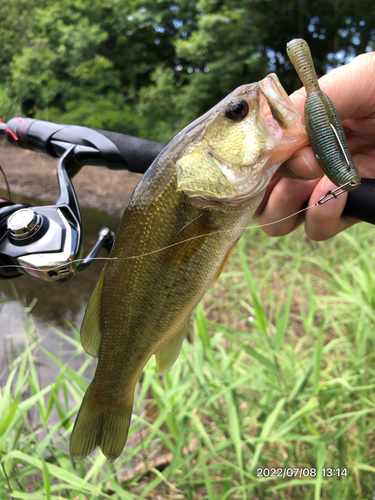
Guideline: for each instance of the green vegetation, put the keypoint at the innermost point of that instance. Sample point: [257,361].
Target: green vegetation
[148,68]
[278,372]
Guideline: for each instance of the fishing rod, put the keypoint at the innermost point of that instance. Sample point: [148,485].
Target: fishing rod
[46,241]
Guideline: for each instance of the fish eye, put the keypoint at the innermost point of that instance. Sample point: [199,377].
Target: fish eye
[236,109]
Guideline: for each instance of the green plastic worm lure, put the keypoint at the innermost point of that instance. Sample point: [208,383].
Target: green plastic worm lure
[323,125]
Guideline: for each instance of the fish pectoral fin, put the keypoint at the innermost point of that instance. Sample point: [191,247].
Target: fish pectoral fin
[90,329]
[224,263]
[167,356]
[189,240]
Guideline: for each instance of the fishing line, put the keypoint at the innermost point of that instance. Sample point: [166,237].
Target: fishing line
[173,244]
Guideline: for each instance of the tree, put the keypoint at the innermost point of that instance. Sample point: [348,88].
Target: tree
[148,67]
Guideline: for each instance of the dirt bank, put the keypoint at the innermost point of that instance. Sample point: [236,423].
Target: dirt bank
[34,174]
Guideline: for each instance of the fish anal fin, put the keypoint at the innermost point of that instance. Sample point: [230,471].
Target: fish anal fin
[90,329]
[189,240]
[167,356]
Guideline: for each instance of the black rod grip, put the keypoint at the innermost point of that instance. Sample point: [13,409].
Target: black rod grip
[119,151]
[361,202]
[138,153]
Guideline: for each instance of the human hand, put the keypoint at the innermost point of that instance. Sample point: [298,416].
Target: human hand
[352,90]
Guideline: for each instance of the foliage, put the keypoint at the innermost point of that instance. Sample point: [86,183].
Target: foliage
[9,106]
[153,66]
[278,374]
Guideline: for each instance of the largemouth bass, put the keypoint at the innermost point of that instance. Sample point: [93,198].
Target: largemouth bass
[176,235]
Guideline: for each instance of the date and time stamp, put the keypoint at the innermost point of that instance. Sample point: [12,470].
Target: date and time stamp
[300,472]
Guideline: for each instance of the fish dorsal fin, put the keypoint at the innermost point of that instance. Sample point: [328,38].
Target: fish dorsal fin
[189,240]
[90,329]
[166,357]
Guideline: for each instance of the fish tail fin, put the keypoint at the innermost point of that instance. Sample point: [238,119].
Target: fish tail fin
[106,427]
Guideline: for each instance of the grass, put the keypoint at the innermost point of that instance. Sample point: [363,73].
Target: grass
[278,375]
